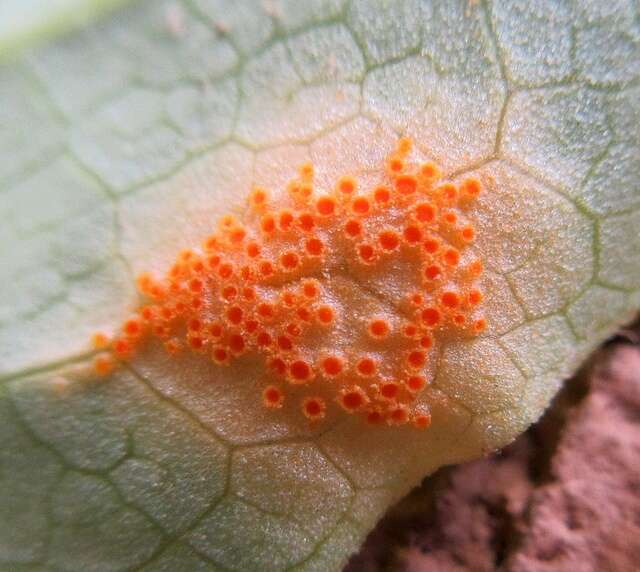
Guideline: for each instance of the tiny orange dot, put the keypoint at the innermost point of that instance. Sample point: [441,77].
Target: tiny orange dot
[412,234]
[148,313]
[266,268]
[352,399]
[132,327]
[195,285]
[216,330]
[264,340]
[476,268]
[361,205]
[314,408]
[314,246]
[389,240]
[472,187]
[468,233]
[399,415]
[347,185]
[431,316]
[211,242]
[332,365]
[311,288]
[277,365]
[225,270]
[285,343]
[99,340]
[416,299]
[285,220]
[237,234]
[389,390]
[450,218]
[426,341]
[289,260]
[382,196]
[186,254]
[326,206]
[229,293]
[416,383]
[253,249]
[448,192]
[300,371]
[475,297]
[272,397]
[450,299]
[432,272]
[226,222]
[425,212]
[236,343]
[258,197]
[289,299]
[395,164]
[103,364]
[196,342]
[404,145]
[353,228]
[235,315]
[431,245]
[410,330]
[379,328]
[459,319]
[306,171]
[366,253]
[212,261]
[266,310]
[268,224]
[173,346]
[451,256]
[220,355]
[480,325]
[406,184]
[326,314]
[421,419]
[306,221]
[366,367]
[430,170]
[304,314]
[161,331]
[294,329]
[416,358]
[249,293]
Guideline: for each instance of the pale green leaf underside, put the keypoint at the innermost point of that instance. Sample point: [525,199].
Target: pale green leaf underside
[27,22]
[121,143]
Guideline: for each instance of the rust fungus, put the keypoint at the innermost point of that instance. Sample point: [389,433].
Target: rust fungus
[262,286]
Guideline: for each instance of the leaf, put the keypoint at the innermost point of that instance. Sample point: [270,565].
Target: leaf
[123,142]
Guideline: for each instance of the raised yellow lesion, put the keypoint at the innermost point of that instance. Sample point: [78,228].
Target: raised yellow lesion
[278,284]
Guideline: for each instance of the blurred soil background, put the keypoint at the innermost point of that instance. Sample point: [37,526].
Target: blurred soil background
[564,497]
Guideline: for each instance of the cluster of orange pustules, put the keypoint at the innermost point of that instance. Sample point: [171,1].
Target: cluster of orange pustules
[262,285]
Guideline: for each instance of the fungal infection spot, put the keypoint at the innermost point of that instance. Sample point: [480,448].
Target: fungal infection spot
[314,408]
[279,286]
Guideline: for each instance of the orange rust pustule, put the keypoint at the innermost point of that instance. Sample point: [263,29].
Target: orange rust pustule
[252,288]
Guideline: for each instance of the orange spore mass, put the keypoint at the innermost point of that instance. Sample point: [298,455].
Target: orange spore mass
[103,364]
[332,365]
[314,408]
[379,328]
[272,397]
[261,286]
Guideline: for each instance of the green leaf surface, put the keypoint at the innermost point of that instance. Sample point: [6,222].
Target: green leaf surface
[122,142]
